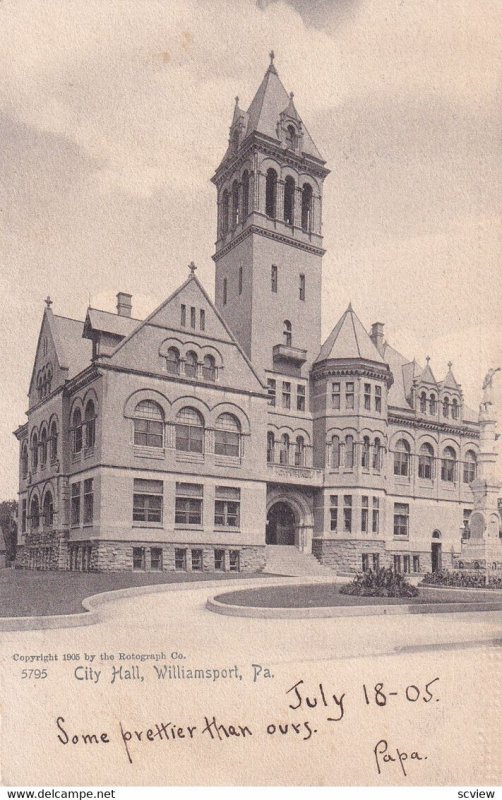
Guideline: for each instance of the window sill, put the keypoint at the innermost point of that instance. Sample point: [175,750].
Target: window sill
[179,526]
[234,461]
[398,538]
[142,525]
[226,529]
[89,452]
[194,458]
[149,452]
[88,525]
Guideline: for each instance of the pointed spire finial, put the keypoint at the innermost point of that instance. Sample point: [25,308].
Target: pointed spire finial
[192,267]
[48,301]
[427,358]
[291,95]
[349,307]
[236,99]
[272,56]
[450,364]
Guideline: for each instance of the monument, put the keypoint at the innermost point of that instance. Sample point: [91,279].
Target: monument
[483,549]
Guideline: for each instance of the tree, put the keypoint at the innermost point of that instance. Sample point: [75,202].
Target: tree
[8,524]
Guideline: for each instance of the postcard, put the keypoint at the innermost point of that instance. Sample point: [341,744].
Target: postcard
[250,413]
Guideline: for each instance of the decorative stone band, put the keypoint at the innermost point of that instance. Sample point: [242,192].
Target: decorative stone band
[278,237]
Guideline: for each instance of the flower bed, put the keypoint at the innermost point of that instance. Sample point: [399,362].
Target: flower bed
[463,579]
[384,582]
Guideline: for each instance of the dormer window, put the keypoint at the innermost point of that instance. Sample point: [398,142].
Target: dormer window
[291,137]
[423,403]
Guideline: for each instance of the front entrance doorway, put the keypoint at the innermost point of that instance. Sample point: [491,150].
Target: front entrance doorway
[436,556]
[281,526]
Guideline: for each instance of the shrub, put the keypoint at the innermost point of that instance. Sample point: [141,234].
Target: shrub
[463,579]
[383,582]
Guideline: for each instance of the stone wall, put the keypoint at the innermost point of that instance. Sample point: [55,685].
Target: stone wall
[344,555]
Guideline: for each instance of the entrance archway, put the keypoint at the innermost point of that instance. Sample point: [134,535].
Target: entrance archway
[281,524]
[436,551]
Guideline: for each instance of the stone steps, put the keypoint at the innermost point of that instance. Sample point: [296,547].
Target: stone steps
[287,560]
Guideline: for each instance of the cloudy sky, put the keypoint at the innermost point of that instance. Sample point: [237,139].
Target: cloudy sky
[114,114]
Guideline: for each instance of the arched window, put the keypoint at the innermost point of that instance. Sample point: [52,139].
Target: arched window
[423,403]
[34,514]
[54,440]
[377,455]
[24,460]
[291,137]
[300,451]
[34,452]
[235,204]
[335,452]
[446,407]
[271,193]
[235,140]
[270,447]
[433,404]
[189,431]
[148,424]
[289,200]
[48,510]
[225,208]
[349,452]
[49,379]
[209,368]
[284,451]
[448,465]
[287,333]
[90,424]
[245,194]
[307,207]
[426,461]
[454,408]
[43,447]
[227,436]
[365,453]
[470,466]
[402,458]
[173,361]
[77,430]
[191,364]
[40,386]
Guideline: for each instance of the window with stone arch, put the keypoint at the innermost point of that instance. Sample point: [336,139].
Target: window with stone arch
[34,513]
[271,193]
[245,194]
[365,453]
[289,200]
[423,403]
[90,424]
[209,368]
[291,137]
[148,424]
[335,452]
[448,465]
[433,408]
[54,440]
[235,204]
[173,361]
[377,455]
[287,333]
[284,449]
[191,364]
[34,452]
[307,207]
[446,407]
[225,211]
[77,431]
[426,461]
[300,451]
[43,446]
[189,429]
[454,408]
[349,452]
[270,447]
[470,463]
[227,436]
[24,460]
[402,457]
[48,509]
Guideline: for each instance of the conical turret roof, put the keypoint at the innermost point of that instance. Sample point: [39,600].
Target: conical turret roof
[349,341]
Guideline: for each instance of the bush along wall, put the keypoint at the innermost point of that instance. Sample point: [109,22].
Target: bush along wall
[383,582]
[465,580]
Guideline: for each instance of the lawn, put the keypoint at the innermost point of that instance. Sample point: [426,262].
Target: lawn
[26,593]
[327,594]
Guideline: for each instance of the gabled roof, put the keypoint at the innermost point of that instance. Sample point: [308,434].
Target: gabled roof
[449,382]
[411,370]
[427,375]
[349,340]
[107,322]
[269,102]
[76,352]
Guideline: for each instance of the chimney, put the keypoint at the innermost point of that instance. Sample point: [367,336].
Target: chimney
[124,305]
[376,336]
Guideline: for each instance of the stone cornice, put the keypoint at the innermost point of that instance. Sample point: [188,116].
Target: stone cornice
[414,422]
[278,237]
[365,369]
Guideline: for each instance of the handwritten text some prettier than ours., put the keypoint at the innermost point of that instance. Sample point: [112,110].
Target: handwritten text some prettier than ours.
[323,706]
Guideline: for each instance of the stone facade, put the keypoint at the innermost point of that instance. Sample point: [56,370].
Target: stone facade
[227,426]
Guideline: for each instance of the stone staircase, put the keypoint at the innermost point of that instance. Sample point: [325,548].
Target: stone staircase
[287,560]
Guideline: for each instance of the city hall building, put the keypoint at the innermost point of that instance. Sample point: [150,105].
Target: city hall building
[212,436]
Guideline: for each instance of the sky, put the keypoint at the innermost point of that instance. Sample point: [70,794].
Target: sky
[113,117]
